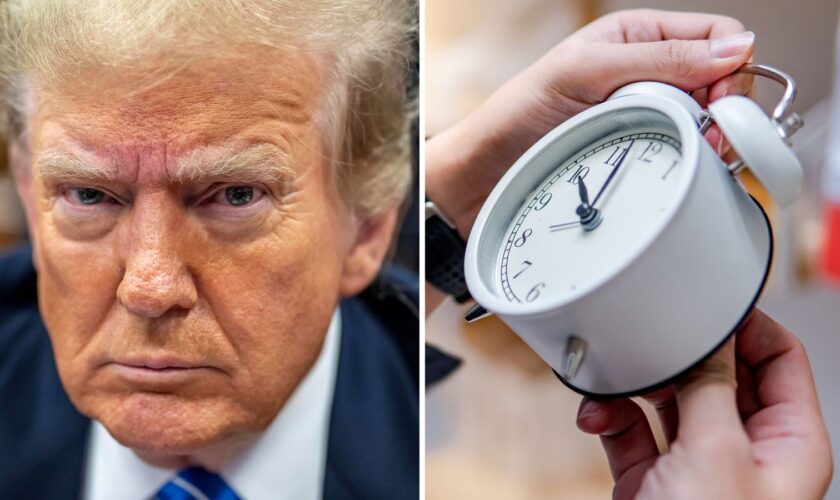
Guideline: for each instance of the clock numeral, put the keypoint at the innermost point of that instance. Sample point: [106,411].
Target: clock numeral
[674,164]
[522,239]
[527,264]
[534,293]
[652,149]
[616,156]
[580,173]
[543,201]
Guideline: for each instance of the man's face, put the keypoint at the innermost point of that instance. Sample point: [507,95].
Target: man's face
[190,246]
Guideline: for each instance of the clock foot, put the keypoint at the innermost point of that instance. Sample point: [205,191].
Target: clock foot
[476,313]
[575,351]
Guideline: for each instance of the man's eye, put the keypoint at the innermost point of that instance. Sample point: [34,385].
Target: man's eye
[238,196]
[88,196]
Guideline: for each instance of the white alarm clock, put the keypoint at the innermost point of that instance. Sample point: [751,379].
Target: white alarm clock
[621,248]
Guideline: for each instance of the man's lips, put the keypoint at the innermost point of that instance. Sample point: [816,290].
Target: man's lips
[159,363]
[158,372]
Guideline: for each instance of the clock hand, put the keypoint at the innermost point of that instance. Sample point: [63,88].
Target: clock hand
[583,192]
[590,217]
[559,227]
[614,170]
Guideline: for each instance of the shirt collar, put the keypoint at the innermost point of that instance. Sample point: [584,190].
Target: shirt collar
[287,462]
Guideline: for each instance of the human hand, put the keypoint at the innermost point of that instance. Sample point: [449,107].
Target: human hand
[745,424]
[690,51]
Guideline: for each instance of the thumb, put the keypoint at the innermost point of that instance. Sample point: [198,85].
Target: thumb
[706,397]
[687,64]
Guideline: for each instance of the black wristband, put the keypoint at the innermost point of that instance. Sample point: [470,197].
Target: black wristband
[445,255]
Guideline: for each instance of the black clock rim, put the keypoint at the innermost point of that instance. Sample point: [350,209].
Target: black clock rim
[670,380]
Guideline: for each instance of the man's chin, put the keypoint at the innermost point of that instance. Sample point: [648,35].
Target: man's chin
[168,425]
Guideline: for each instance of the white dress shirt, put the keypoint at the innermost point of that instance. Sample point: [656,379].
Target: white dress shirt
[287,462]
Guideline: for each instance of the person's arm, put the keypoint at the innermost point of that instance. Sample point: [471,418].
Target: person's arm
[745,424]
[690,51]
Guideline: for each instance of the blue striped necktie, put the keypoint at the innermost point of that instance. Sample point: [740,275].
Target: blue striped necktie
[196,483]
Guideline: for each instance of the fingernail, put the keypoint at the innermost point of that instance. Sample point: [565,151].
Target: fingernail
[588,410]
[732,45]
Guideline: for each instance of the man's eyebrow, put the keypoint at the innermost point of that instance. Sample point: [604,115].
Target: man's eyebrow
[260,163]
[64,166]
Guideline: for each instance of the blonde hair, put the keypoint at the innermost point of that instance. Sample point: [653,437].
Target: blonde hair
[369,108]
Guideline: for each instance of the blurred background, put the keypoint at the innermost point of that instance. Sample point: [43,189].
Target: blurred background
[502,427]
[12,228]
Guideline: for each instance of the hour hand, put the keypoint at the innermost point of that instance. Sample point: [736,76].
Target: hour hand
[590,217]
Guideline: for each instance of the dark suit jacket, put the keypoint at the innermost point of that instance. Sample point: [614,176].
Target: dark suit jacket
[373,441]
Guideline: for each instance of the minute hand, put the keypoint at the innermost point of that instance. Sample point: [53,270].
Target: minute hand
[612,174]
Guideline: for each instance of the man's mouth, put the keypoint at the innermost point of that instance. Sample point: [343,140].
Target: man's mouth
[157,372]
[159,363]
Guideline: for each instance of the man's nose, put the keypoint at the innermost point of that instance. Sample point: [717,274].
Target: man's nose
[156,280]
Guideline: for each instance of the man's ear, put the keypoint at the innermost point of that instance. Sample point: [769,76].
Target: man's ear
[364,259]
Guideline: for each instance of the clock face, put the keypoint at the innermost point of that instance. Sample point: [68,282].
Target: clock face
[630,178]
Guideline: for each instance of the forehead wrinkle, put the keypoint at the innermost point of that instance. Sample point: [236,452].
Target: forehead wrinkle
[63,166]
[260,163]
[280,108]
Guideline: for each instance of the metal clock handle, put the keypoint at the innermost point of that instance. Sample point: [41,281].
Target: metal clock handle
[786,127]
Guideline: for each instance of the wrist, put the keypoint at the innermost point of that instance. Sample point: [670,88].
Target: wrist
[445,249]
[449,157]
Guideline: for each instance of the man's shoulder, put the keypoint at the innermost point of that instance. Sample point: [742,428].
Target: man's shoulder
[17,279]
[385,321]
[18,304]
[41,433]
[373,446]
